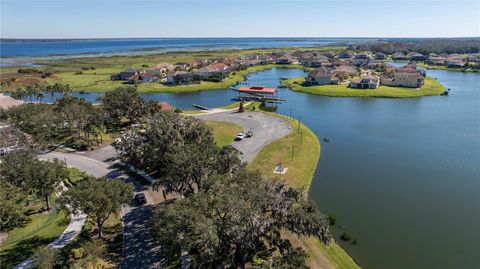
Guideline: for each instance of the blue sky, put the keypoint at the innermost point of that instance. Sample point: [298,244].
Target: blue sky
[239,18]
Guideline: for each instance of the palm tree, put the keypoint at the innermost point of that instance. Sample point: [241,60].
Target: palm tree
[52,89]
[39,92]
[66,89]
[30,92]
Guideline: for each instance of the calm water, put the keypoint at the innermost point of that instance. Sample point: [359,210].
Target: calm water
[403,175]
[108,47]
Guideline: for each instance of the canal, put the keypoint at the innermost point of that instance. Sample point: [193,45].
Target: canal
[402,176]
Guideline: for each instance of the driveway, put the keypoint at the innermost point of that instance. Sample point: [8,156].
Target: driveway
[266,129]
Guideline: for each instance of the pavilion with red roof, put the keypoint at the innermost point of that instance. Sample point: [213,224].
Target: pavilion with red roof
[258,90]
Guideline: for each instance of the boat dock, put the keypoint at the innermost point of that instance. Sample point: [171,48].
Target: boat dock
[200,107]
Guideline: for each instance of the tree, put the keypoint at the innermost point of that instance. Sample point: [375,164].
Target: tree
[39,120]
[48,176]
[123,102]
[17,169]
[46,258]
[179,151]
[23,170]
[98,198]
[241,109]
[237,219]
[75,111]
[11,207]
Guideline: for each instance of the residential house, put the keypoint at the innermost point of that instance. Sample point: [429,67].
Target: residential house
[164,67]
[415,56]
[316,61]
[329,54]
[364,55]
[455,61]
[265,59]
[436,60]
[182,66]
[346,54]
[360,61]
[127,73]
[365,82]
[321,76]
[284,60]
[216,70]
[398,56]
[407,76]
[181,77]
[144,77]
[473,57]
[380,56]
[345,71]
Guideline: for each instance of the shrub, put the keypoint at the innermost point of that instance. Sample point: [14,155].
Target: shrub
[345,236]
[177,110]
[46,74]
[332,219]
[78,253]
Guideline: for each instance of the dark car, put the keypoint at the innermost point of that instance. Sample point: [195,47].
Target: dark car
[140,198]
[249,134]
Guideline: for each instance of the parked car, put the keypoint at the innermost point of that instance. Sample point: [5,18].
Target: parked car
[240,136]
[140,198]
[249,134]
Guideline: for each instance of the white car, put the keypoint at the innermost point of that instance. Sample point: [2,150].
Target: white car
[240,136]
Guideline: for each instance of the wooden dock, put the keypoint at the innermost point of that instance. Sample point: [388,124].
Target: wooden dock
[200,107]
[263,99]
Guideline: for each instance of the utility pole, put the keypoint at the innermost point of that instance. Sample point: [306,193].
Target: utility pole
[293,150]
[299,118]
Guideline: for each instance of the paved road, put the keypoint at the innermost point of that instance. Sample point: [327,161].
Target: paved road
[140,249]
[265,128]
[77,221]
[88,165]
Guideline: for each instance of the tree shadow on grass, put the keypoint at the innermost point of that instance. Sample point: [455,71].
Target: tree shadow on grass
[22,250]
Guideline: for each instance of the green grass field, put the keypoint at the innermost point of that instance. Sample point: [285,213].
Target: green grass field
[40,231]
[299,152]
[224,132]
[431,87]
[99,80]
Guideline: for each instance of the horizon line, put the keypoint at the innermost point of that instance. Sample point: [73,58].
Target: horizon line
[219,37]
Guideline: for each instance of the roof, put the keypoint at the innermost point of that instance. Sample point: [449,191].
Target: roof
[258,89]
[166,106]
[345,68]
[320,72]
[7,102]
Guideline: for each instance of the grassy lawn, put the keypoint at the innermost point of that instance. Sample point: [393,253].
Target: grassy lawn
[74,176]
[299,152]
[113,242]
[431,87]
[301,169]
[41,230]
[224,132]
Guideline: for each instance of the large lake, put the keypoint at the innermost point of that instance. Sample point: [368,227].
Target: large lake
[402,175]
[25,52]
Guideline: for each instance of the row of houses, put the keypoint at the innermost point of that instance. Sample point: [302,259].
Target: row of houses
[330,67]
[370,77]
